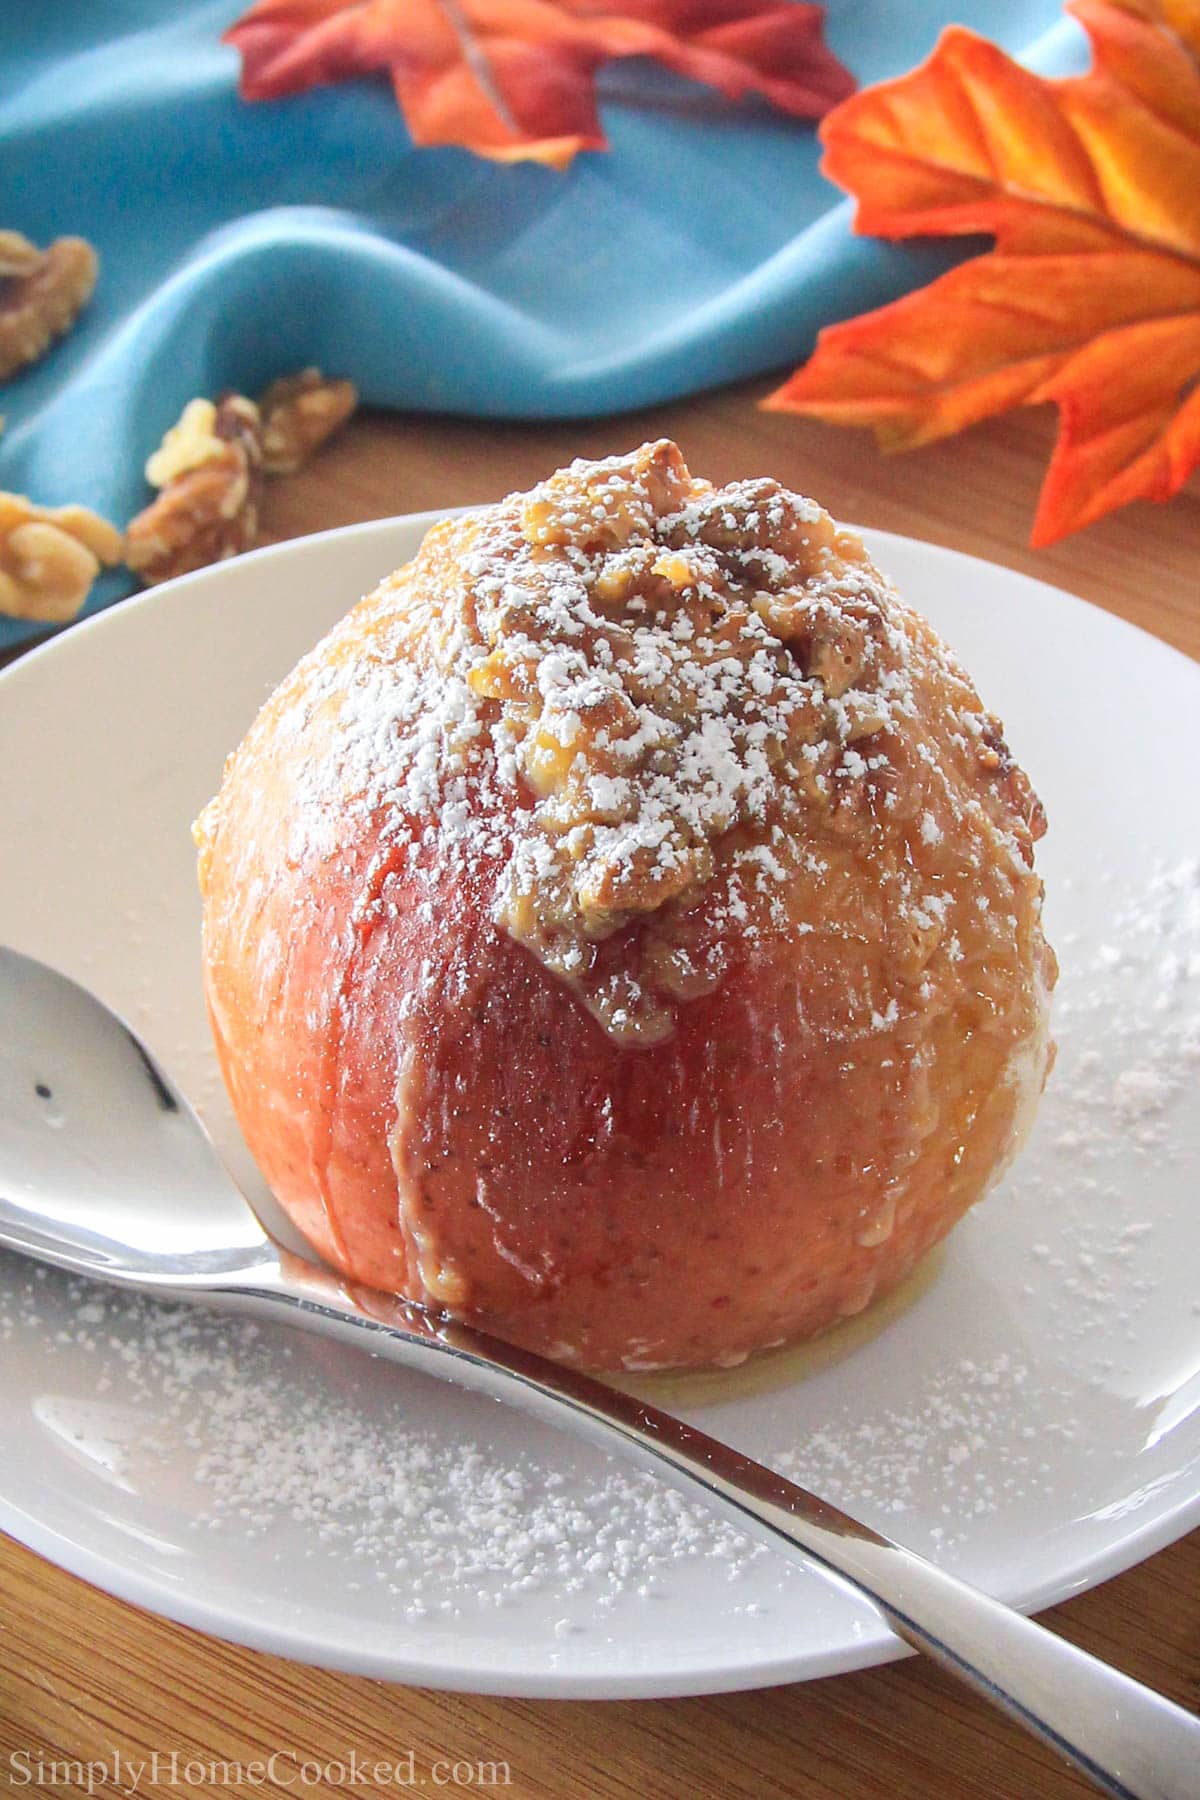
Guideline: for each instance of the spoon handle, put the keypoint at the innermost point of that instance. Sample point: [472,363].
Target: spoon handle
[1130,1741]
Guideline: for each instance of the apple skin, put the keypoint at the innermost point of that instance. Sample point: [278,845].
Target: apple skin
[442,1118]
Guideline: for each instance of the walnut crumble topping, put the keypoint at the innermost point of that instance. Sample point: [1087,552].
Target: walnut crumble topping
[672,716]
[655,683]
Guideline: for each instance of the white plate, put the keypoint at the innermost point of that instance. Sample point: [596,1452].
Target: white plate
[1030,1417]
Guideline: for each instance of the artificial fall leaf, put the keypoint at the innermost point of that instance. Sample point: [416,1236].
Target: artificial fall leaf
[1091,297]
[515,79]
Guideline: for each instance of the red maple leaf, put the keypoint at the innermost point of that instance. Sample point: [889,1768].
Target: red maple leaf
[515,79]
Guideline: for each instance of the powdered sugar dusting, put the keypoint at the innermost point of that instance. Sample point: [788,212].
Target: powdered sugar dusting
[880,1461]
[255,1434]
[1121,1107]
[1134,1009]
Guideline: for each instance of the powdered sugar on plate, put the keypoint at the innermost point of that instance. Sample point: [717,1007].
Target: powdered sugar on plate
[1120,1106]
[251,1427]
[1068,1233]
[1130,1021]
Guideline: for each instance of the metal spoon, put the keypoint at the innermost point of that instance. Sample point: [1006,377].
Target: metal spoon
[106,1171]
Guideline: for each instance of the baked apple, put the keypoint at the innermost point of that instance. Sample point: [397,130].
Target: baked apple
[621,931]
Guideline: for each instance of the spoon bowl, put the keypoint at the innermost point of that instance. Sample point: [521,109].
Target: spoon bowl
[104,1167]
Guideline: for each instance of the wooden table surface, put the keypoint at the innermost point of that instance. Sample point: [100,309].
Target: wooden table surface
[83,1676]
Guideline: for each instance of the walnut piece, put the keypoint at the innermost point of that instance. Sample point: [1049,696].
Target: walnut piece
[191,442]
[41,294]
[299,412]
[17,255]
[49,558]
[210,466]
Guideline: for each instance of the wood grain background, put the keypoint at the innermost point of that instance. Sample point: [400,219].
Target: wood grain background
[83,1676]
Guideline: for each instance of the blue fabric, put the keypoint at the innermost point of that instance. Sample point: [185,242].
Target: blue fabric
[240,242]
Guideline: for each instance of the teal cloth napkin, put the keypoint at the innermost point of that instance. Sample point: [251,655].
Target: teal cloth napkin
[239,242]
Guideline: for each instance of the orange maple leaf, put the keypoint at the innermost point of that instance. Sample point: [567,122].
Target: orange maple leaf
[515,79]
[1091,297]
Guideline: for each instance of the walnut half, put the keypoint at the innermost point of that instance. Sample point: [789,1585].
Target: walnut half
[299,412]
[17,255]
[41,294]
[210,470]
[49,558]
